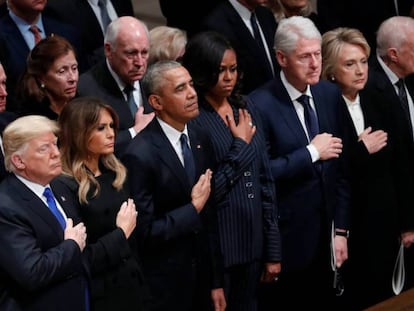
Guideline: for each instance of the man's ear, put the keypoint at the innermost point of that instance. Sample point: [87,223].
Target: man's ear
[393,54]
[281,58]
[155,102]
[17,161]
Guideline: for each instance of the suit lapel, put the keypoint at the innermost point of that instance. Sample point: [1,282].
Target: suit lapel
[198,152]
[319,102]
[168,155]
[288,112]
[33,203]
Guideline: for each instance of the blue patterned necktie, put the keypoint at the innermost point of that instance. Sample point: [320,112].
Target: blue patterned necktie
[311,121]
[188,158]
[51,203]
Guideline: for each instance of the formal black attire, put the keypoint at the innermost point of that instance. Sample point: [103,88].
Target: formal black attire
[310,195]
[39,270]
[251,60]
[246,203]
[80,14]
[380,191]
[353,13]
[117,281]
[379,82]
[175,12]
[179,247]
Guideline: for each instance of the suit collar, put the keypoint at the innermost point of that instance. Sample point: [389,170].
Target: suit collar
[168,155]
[34,203]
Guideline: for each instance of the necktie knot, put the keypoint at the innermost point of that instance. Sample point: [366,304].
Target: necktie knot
[36,33]
[304,100]
[51,203]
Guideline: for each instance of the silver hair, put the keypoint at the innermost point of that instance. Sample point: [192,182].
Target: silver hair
[393,32]
[291,29]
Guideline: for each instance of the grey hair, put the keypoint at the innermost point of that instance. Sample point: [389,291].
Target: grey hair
[20,132]
[293,28]
[154,78]
[393,32]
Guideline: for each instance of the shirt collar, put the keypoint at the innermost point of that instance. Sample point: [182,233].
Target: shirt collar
[352,103]
[294,94]
[172,134]
[390,74]
[241,9]
[34,187]
[23,25]
[121,84]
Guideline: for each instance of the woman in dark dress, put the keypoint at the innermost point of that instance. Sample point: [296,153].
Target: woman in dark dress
[50,79]
[378,176]
[98,178]
[244,188]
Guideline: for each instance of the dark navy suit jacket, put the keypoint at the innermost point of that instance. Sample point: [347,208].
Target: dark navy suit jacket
[80,14]
[39,270]
[173,235]
[99,82]
[14,50]
[379,83]
[305,191]
[225,20]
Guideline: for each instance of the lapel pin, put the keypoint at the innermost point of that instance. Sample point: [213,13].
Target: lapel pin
[198,146]
[63,199]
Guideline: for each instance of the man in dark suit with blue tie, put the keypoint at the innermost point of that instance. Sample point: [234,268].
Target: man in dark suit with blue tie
[301,121]
[255,57]
[126,52]
[17,40]
[169,172]
[41,265]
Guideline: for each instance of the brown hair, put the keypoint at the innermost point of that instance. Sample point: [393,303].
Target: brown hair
[39,61]
[78,119]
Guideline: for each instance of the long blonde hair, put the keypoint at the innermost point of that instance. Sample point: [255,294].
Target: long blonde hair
[77,121]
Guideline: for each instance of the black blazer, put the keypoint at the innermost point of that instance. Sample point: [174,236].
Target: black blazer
[99,82]
[14,50]
[353,13]
[381,188]
[80,14]
[379,83]
[225,20]
[173,235]
[39,270]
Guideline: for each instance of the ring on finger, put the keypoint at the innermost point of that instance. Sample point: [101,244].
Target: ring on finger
[251,124]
